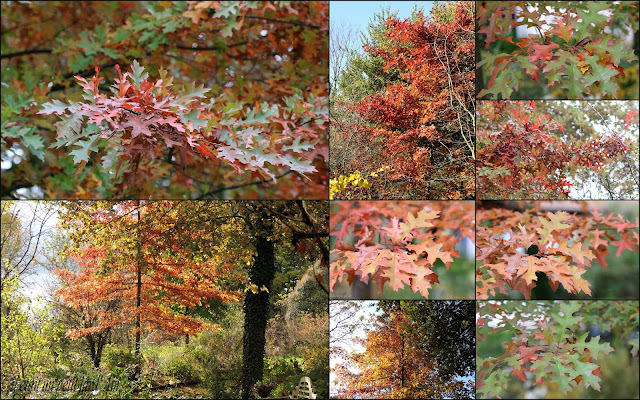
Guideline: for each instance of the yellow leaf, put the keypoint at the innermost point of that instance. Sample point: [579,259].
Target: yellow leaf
[583,68]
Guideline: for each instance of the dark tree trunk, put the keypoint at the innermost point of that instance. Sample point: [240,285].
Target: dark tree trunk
[256,306]
[138,293]
[138,287]
[103,339]
[402,376]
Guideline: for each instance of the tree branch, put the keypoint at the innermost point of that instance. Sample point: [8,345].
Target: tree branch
[214,48]
[282,21]
[25,52]
[205,195]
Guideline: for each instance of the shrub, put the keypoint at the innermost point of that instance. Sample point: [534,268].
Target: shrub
[183,370]
[120,357]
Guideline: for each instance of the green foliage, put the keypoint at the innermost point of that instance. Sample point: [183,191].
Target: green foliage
[30,338]
[182,369]
[117,356]
[559,345]
[220,369]
[582,49]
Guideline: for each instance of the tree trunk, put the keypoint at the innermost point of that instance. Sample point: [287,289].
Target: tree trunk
[256,306]
[138,291]
[138,287]
[402,377]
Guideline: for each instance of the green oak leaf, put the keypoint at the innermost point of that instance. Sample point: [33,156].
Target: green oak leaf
[188,93]
[193,118]
[594,347]
[56,106]
[574,79]
[619,52]
[504,84]
[71,124]
[603,75]
[226,8]
[592,16]
[585,370]
[138,73]
[539,368]
[567,320]
[34,143]
[86,147]
[561,374]
[298,147]
[230,25]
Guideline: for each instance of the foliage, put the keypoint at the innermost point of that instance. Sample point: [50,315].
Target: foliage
[220,369]
[419,119]
[524,153]
[431,320]
[395,362]
[341,183]
[396,243]
[515,249]
[26,331]
[551,340]
[583,121]
[136,263]
[251,121]
[297,346]
[578,46]
[115,356]
[182,370]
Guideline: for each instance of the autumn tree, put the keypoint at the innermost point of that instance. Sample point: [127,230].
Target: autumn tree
[395,364]
[618,178]
[164,261]
[126,256]
[246,117]
[523,153]
[425,118]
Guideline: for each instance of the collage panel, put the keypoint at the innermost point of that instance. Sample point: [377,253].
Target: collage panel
[570,349]
[165,100]
[560,149]
[164,299]
[557,250]
[402,250]
[390,349]
[557,50]
[402,106]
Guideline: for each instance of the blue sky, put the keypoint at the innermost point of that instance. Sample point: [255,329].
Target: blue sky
[359,12]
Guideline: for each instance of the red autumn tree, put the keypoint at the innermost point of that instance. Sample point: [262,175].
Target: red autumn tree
[426,119]
[524,153]
[127,257]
